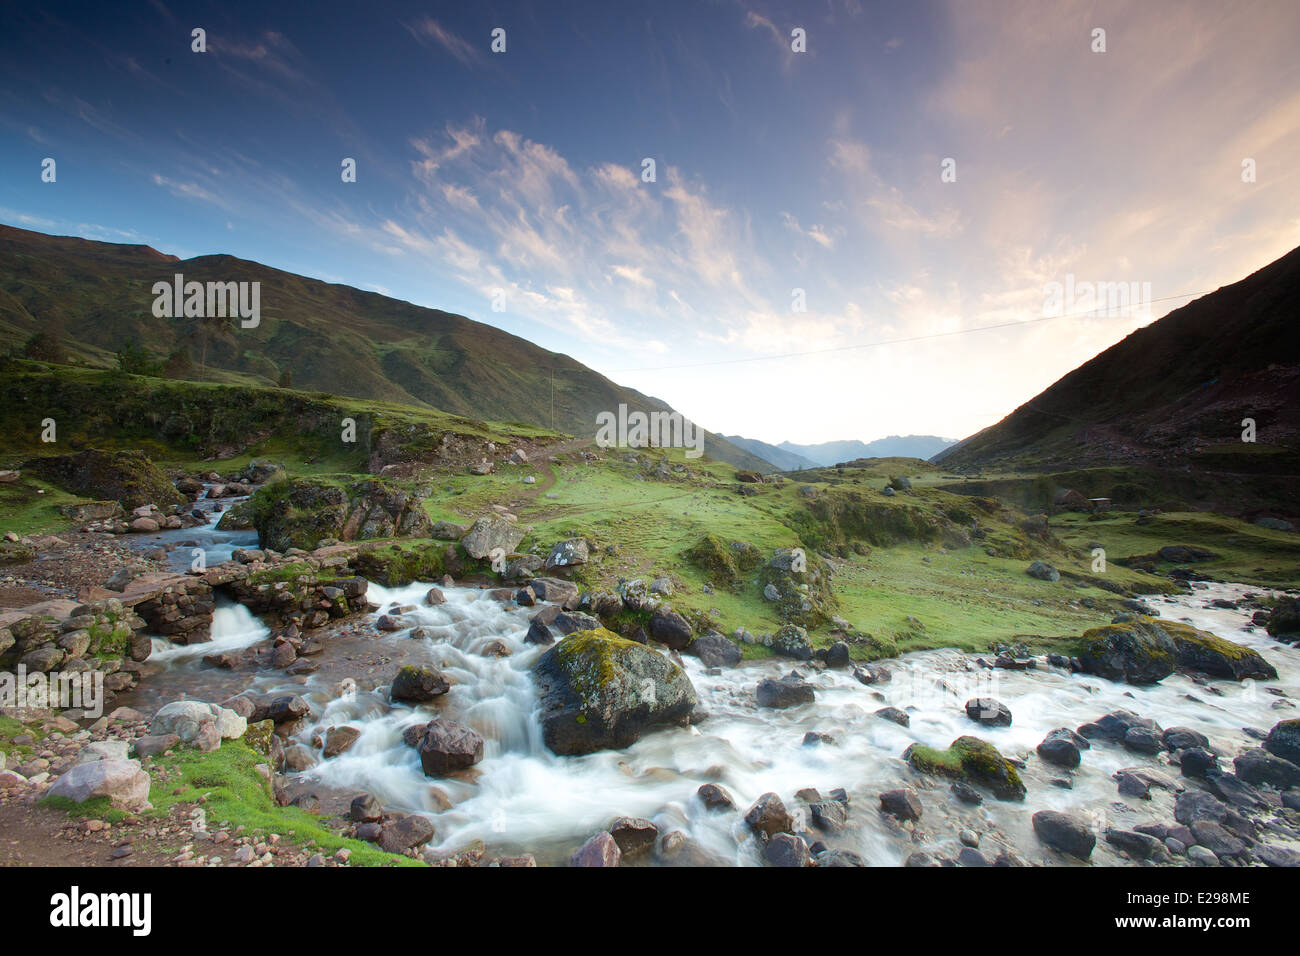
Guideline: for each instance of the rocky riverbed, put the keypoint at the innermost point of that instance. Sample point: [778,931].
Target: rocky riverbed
[461,722]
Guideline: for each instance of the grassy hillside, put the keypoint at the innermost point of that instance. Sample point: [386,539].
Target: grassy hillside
[96,297]
[1172,394]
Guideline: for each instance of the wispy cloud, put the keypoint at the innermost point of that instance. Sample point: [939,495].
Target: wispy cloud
[428,30]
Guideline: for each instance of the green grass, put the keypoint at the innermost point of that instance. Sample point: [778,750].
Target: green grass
[1248,553]
[234,794]
[31,506]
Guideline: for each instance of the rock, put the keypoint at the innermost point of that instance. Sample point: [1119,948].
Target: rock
[1284,740]
[837,655]
[1181,738]
[715,797]
[669,627]
[790,691]
[1201,856]
[839,858]
[988,712]
[598,691]
[1131,785]
[1215,838]
[435,597]
[1196,762]
[152,746]
[568,554]
[895,715]
[792,641]
[538,633]
[284,710]
[715,650]
[446,747]
[1138,651]
[570,622]
[1283,621]
[903,803]
[829,816]
[966,793]
[1137,845]
[185,719]
[557,591]
[1185,554]
[447,531]
[633,835]
[1143,740]
[1231,790]
[406,833]
[600,850]
[112,749]
[970,760]
[1064,832]
[340,740]
[490,533]
[1043,571]
[1197,805]
[1271,855]
[786,850]
[365,809]
[768,816]
[1207,653]
[127,477]
[418,685]
[121,781]
[1258,766]
[1116,725]
[1062,747]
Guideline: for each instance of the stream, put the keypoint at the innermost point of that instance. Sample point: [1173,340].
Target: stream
[523,799]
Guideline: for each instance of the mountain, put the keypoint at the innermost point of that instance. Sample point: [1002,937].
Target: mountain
[1173,394]
[97,298]
[782,459]
[895,446]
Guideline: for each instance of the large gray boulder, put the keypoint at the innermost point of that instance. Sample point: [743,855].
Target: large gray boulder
[185,719]
[122,781]
[599,691]
[489,533]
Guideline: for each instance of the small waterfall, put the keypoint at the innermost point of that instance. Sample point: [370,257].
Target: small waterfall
[234,627]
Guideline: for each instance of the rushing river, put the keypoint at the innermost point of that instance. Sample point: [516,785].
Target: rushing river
[522,798]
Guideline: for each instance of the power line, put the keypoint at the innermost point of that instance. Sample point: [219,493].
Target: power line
[871,345]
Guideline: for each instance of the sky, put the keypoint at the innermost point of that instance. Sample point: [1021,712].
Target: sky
[849,240]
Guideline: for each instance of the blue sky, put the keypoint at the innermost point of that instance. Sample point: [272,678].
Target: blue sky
[520,173]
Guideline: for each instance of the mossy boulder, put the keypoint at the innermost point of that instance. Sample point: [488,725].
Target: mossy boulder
[1145,650]
[14,552]
[724,563]
[302,512]
[1208,653]
[803,597]
[601,691]
[970,760]
[1284,620]
[395,566]
[1137,651]
[128,477]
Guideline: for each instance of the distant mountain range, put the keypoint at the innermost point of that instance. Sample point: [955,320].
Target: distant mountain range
[96,298]
[1175,394]
[788,456]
